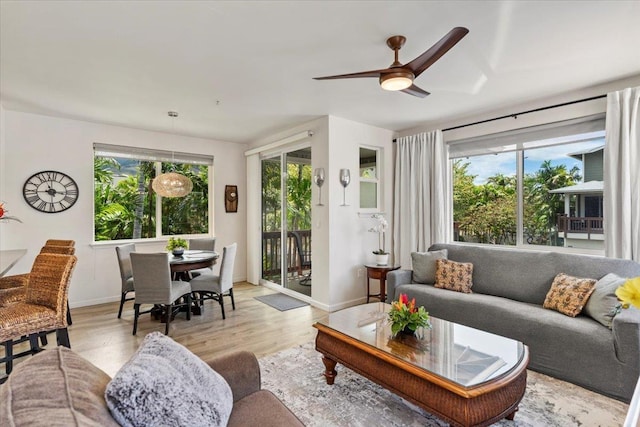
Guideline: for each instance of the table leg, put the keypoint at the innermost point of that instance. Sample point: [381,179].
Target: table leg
[383,284]
[512,415]
[330,371]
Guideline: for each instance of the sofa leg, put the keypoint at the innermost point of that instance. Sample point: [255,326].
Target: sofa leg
[8,356]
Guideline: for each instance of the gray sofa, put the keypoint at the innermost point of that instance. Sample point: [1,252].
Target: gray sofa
[509,288]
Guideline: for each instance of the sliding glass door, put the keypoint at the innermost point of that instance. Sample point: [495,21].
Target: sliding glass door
[286,219]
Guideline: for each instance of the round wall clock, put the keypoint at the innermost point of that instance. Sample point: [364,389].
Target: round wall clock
[50,191]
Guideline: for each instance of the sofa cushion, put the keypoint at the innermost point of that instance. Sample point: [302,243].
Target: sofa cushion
[55,387]
[603,303]
[424,265]
[165,384]
[454,276]
[569,294]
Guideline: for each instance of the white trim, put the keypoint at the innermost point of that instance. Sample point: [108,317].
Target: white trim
[279,143]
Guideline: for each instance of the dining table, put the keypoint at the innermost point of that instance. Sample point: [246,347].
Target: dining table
[9,258]
[191,260]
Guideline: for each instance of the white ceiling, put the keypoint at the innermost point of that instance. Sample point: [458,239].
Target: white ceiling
[238,71]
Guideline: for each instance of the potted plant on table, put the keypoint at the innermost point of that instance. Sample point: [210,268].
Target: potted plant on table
[382,256]
[406,318]
[177,246]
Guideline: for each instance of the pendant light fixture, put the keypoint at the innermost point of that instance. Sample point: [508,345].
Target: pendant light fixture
[172,184]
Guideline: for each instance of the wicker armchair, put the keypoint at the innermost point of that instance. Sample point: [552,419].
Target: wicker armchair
[44,307]
[56,242]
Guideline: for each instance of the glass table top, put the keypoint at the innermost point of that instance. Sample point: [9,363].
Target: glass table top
[461,354]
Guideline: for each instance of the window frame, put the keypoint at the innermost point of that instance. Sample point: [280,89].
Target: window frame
[157,157]
[584,125]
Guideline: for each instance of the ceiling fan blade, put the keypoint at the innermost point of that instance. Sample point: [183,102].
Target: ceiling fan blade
[416,91]
[435,52]
[372,73]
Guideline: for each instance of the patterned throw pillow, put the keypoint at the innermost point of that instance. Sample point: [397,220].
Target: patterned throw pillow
[569,294]
[455,276]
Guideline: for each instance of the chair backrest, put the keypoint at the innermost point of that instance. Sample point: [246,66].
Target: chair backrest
[152,276]
[123,252]
[304,255]
[206,244]
[48,283]
[60,250]
[56,242]
[226,267]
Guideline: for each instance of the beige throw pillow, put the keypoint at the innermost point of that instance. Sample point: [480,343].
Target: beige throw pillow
[424,265]
[455,276]
[569,294]
[603,302]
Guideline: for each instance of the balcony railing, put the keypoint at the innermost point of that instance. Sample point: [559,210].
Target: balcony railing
[572,224]
[298,255]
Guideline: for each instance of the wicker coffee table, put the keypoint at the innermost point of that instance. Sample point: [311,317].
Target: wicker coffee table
[462,375]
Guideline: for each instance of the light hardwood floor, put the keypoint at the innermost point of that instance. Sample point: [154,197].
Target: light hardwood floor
[106,341]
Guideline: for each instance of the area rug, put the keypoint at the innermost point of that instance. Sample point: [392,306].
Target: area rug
[281,302]
[295,376]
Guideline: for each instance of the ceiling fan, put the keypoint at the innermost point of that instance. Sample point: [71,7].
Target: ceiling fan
[400,77]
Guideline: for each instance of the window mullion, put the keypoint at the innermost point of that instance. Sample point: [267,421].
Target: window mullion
[520,198]
[158,167]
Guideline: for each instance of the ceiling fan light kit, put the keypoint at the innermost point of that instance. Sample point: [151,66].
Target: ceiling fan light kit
[396,81]
[399,77]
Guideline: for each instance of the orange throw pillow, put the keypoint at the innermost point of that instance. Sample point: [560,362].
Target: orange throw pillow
[569,294]
[455,276]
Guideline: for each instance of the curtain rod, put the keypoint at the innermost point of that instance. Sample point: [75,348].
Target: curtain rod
[515,115]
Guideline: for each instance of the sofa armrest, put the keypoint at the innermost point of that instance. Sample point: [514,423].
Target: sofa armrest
[241,370]
[397,278]
[626,332]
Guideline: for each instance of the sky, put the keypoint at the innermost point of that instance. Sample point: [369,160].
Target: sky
[505,163]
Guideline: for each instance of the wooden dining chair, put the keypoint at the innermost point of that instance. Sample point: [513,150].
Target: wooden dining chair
[44,308]
[123,253]
[204,244]
[215,287]
[152,277]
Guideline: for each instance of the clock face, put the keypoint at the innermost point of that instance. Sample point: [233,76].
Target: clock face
[50,191]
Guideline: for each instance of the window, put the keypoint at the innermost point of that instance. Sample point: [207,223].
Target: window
[369,188]
[125,206]
[532,187]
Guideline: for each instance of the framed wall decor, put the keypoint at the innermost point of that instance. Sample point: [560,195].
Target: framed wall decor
[231,198]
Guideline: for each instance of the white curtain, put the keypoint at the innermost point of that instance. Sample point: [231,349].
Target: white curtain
[622,175]
[421,212]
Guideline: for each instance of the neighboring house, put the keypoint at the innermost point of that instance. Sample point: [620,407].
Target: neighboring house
[581,224]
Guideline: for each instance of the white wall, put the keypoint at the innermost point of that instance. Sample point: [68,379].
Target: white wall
[350,244]
[32,143]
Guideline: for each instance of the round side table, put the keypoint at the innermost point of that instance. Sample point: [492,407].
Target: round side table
[379,272]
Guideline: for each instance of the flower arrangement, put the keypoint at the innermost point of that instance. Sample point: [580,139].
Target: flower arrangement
[4,216]
[176,243]
[629,293]
[380,228]
[405,315]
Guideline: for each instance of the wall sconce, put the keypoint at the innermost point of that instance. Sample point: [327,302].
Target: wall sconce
[345,179]
[318,178]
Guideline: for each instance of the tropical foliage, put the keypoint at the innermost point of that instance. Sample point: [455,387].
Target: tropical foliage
[486,213]
[298,196]
[125,205]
